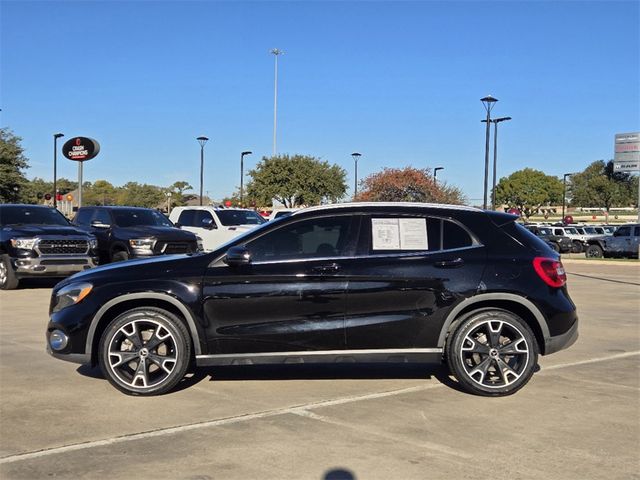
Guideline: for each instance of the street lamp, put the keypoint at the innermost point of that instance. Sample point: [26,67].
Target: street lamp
[355,156]
[488,103]
[201,141]
[15,194]
[242,176]
[275,53]
[564,191]
[495,122]
[435,173]
[56,136]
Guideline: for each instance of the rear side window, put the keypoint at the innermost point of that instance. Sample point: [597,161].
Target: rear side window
[454,236]
[636,232]
[623,232]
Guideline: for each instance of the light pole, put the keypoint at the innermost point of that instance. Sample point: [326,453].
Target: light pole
[275,53]
[168,194]
[15,194]
[435,173]
[56,136]
[201,141]
[488,103]
[355,156]
[242,177]
[564,191]
[495,122]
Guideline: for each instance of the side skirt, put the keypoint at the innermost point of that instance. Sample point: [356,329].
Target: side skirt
[409,355]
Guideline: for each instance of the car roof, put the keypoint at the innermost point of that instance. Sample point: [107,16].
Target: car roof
[387,205]
[117,207]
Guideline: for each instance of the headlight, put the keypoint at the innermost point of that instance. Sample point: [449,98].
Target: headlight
[24,243]
[142,244]
[71,294]
[93,243]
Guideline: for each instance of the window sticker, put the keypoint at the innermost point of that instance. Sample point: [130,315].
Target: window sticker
[399,234]
[385,233]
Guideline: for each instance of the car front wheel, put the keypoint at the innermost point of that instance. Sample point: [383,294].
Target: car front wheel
[492,353]
[594,251]
[145,351]
[8,279]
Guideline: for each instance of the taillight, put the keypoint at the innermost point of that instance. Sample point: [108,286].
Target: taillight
[550,271]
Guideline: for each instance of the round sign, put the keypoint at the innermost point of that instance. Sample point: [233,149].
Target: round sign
[593,217]
[80,149]
[59,197]
[568,219]
[69,197]
[514,211]
[227,203]
[47,196]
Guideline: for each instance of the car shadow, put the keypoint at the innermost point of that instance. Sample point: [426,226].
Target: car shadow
[360,371]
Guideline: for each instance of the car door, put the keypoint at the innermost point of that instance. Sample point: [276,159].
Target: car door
[621,242]
[291,297]
[410,272]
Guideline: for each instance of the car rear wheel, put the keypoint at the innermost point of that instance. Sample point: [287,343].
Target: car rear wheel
[145,351]
[594,251]
[576,247]
[492,353]
[8,280]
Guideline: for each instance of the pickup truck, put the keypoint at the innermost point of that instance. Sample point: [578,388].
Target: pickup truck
[624,242]
[215,225]
[37,241]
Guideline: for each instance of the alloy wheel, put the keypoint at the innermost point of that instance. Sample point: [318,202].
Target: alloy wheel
[3,272]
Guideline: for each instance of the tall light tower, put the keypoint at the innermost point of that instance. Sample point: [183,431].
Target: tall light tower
[495,122]
[275,53]
[435,173]
[242,177]
[56,136]
[201,141]
[488,103]
[356,156]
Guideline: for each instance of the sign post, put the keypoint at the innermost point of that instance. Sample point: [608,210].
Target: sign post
[627,157]
[80,149]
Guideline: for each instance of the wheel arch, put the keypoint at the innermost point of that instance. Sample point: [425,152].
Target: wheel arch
[521,306]
[118,305]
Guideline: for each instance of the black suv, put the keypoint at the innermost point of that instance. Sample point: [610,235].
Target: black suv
[133,232]
[361,282]
[38,241]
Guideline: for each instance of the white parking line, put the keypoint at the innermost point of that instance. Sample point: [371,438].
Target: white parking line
[296,410]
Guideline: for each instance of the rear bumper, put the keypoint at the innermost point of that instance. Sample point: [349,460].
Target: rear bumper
[560,342]
[53,265]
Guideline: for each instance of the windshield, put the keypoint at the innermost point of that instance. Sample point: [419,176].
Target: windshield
[230,218]
[31,215]
[138,217]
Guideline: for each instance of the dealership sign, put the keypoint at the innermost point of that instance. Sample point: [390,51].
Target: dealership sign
[627,152]
[80,149]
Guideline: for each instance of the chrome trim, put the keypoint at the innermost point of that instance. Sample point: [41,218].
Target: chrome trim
[62,269]
[323,352]
[56,238]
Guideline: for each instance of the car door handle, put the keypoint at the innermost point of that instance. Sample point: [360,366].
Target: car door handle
[326,268]
[455,263]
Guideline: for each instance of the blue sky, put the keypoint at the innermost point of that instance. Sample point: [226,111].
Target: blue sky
[399,82]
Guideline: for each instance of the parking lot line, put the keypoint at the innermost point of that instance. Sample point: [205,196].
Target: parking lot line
[301,410]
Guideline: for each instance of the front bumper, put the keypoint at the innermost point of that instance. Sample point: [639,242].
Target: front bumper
[53,265]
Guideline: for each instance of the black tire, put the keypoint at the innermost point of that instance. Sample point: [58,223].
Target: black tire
[576,246]
[492,353]
[594,251]
[8,279]
[120,256]
[145,351]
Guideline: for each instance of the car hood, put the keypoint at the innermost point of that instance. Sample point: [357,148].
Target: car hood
[35,230]
[161,233]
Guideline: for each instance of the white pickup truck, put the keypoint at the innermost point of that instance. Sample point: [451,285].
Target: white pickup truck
[215,225]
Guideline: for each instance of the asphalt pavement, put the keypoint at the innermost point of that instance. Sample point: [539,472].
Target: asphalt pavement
[578,418]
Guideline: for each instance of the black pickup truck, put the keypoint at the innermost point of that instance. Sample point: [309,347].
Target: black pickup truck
[133,232]
[38,241]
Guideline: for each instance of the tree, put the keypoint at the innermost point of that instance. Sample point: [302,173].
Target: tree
[599,186]
[407,185]
[296,180]
[12,164]
[135,194]
[100,192]
[528,190]
[177,190]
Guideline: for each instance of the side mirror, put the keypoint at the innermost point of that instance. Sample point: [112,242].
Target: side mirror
[208,223]
[237,256]
[97,224]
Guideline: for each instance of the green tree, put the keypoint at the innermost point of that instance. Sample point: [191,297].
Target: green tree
[296,180]
[177,189]
[100,192]
[12,164]
[528,190]
[599,186]
[407,185]
[141,195]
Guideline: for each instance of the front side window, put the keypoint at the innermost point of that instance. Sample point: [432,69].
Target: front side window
[623,232]
[101,216]
[315,238]
[231,218]
[202,215]
[187,218]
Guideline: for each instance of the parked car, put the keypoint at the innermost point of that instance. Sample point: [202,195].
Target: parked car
[215,225]
[369,282]
[559,243]
[39,242]
[133,232]
[578,240]
[624,242]
[281,212]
